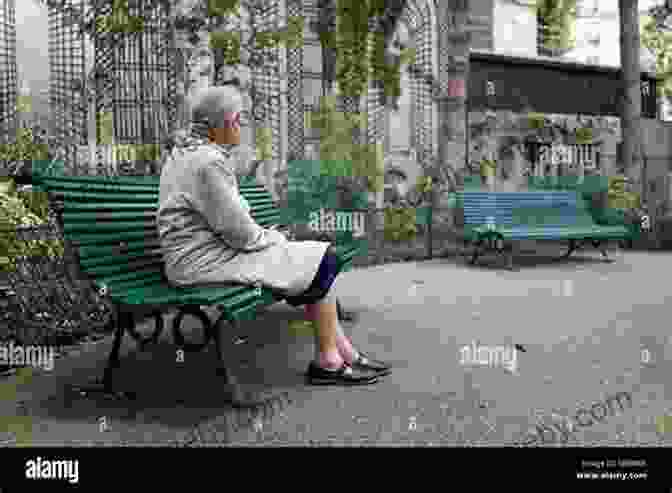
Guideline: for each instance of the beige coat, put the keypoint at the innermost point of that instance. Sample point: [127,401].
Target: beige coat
[208,236]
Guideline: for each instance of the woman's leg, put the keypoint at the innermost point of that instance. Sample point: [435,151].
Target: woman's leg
[327,354]
[329,367]
[336,361]
[347,352]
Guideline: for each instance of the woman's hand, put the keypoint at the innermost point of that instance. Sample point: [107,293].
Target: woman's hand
[275,236]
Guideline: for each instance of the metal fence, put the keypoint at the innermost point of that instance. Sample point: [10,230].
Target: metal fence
[68,100]
[8,78]
[136,88]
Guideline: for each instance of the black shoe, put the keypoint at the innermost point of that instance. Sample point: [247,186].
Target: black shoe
[345,375]
[364,362]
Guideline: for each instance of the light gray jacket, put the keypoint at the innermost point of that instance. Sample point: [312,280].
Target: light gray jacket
[208,235]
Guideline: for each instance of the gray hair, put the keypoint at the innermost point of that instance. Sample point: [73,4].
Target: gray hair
[210,104]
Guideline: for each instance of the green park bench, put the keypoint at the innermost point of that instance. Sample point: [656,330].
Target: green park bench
[110,233]
[497,220]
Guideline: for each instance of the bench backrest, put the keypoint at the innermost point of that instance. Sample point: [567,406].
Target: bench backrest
[510,209]
[111,225]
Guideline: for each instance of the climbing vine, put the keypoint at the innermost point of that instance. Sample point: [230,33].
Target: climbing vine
[400,223]
[352,31]
[557,25]
[336,144]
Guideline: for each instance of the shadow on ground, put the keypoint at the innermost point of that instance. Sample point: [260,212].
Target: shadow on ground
[185,395]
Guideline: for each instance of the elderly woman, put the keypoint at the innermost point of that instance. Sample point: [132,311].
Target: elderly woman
[208,236]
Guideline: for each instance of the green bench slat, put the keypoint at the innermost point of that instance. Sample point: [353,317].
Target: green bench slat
[91,264]
[124,180]
[235,297]
[112,206]
[130,276]
[94,217]
[152,198]
[110,226]
[115,238]
[130,263]
[99,187]
[90,253]
[119,289]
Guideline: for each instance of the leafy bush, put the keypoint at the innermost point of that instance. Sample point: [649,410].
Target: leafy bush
[619,197]
[400,223]
[14,212]
[336,131]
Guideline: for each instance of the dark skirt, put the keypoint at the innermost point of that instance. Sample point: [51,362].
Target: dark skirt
[326,275]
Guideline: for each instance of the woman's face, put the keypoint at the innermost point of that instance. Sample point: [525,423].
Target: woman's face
[230,133]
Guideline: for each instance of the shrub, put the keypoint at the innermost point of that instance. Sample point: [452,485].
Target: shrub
[400,223]
[23,209]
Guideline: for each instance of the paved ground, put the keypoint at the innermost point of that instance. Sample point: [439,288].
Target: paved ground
[583,324]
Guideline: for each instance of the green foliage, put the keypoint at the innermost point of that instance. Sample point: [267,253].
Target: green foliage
[24,209]
[352,32]
[535,121]
[336,131]
[313,185]
[400,223]
[229,43]
[120,21]
[659,42]
[488,167]
[558,18]
[294,36]
[222,8]
[388,73]
[23,149]
[583,135]
[264,140]
[424,185]
[618,195]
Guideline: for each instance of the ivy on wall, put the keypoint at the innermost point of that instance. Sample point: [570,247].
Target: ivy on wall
[495,134]
[659,42]
[557,26]
[400,223]
[352,32]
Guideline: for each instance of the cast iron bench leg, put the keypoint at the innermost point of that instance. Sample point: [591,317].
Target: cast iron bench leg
[153,338]
[476,253]
[105,387]
[598,244]
[513,251]
[178,337]
[572,247]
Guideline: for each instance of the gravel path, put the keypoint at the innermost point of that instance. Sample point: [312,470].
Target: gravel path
[583,325]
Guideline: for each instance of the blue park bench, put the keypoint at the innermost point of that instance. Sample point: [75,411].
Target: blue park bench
[496,221]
